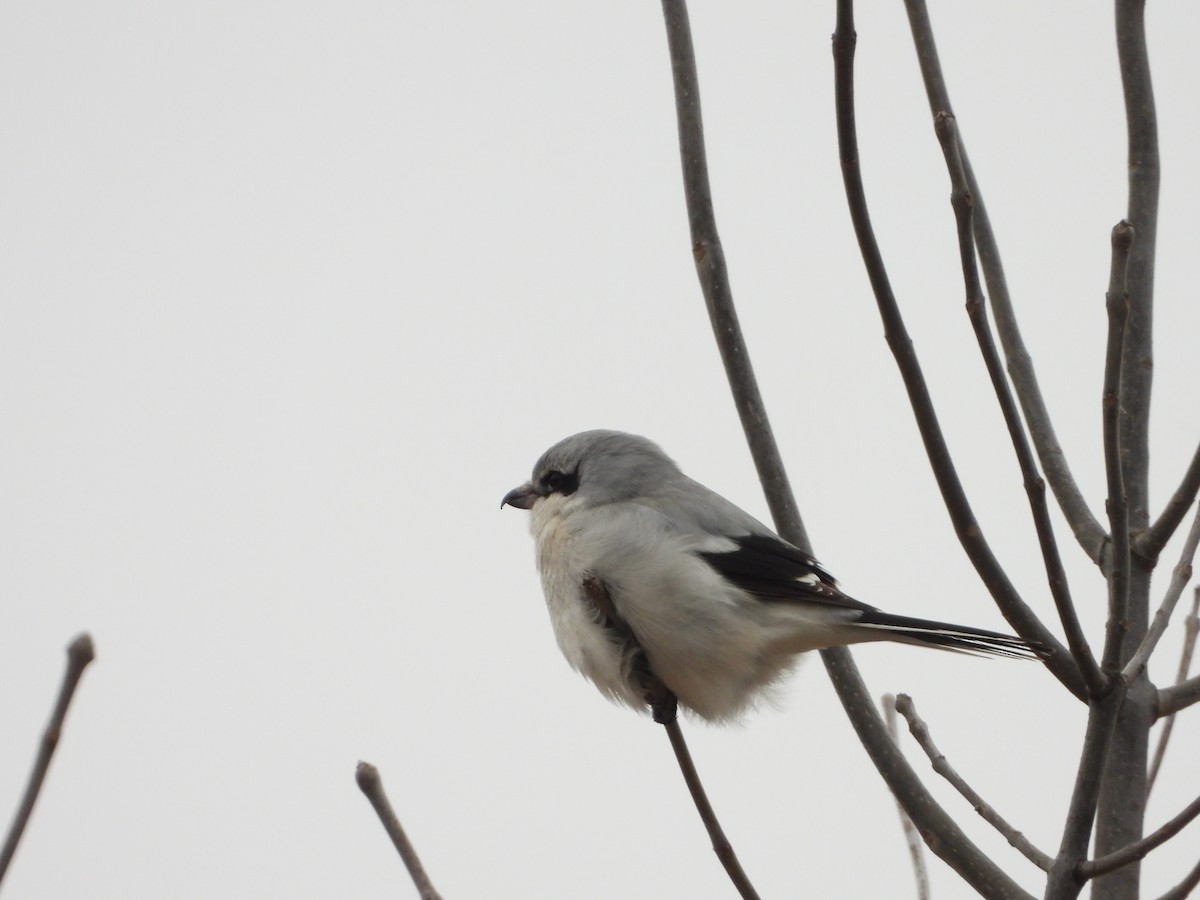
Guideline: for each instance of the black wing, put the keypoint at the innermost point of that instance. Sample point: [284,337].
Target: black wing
[773,570]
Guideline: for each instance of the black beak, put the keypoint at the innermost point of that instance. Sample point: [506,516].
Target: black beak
[522,497]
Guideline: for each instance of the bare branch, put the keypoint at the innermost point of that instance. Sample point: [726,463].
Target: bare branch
[1149,543]
[1139,849]
[969,533]
[916,850]
[371,784]
[1117,302]
[939,830]
[1185,887]
[1191,626]
[1180,577]
[1142,213]
[1064,881]
[720,843]
[987,812]
[663,705]
[963,203]
[1171,700]
[1084,525]
[1122,806]
[714,277]
[80,652]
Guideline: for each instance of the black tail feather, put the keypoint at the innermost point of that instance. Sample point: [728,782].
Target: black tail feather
[951,637]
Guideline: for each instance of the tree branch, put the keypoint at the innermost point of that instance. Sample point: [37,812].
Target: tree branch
[1180,577]
[912,837]
[1064,881]
[1191,626]
[1139,849]
[1149,544]
[1122,807]
[970,535]
[939,830]
[663,706]
[1117,302]
[80,652]
[1084,525]
[1142,213]
[714,276]
[720,843]
[1185,887]
[963,202]
[1171,700]
[371,785]
[941,765]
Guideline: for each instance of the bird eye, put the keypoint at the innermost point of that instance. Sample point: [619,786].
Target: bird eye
[557,482]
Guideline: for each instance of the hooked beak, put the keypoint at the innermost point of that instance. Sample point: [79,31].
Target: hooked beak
[522,497]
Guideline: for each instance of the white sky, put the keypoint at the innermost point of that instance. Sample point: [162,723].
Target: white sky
[294,292]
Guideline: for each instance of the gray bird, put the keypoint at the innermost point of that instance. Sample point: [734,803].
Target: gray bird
[718,603]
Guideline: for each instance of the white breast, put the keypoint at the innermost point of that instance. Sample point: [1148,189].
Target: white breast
[582,638]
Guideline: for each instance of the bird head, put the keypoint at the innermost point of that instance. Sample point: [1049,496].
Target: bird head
[594,468]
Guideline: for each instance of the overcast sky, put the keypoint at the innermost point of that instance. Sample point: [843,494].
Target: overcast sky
[293,293]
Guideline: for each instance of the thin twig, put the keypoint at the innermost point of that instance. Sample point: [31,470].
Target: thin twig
[1191,626]
[720,843]
[714,277]
[80,652]
[1180,576]
[941,765]
[967,529]
[1185,887]
[1138,849]
[1149,543]
[941,833]
[1117,302]
[371,784]
[912,837]
[1083,523]
[963,203]
[663,707]
[1186,690]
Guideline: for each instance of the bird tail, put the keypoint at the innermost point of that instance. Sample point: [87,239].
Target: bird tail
[949,637]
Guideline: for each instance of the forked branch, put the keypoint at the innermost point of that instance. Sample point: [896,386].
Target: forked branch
[1149,543]
[912,837]
[1086,528]
[948,840]
[1139,849]
[1180,577]
[1191,627]
[1186,690]
[963,202]
[941,765]
[969,533]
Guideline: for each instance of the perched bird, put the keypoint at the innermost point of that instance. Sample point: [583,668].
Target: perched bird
[718,603]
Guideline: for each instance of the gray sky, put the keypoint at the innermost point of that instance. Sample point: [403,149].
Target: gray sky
[294,292]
